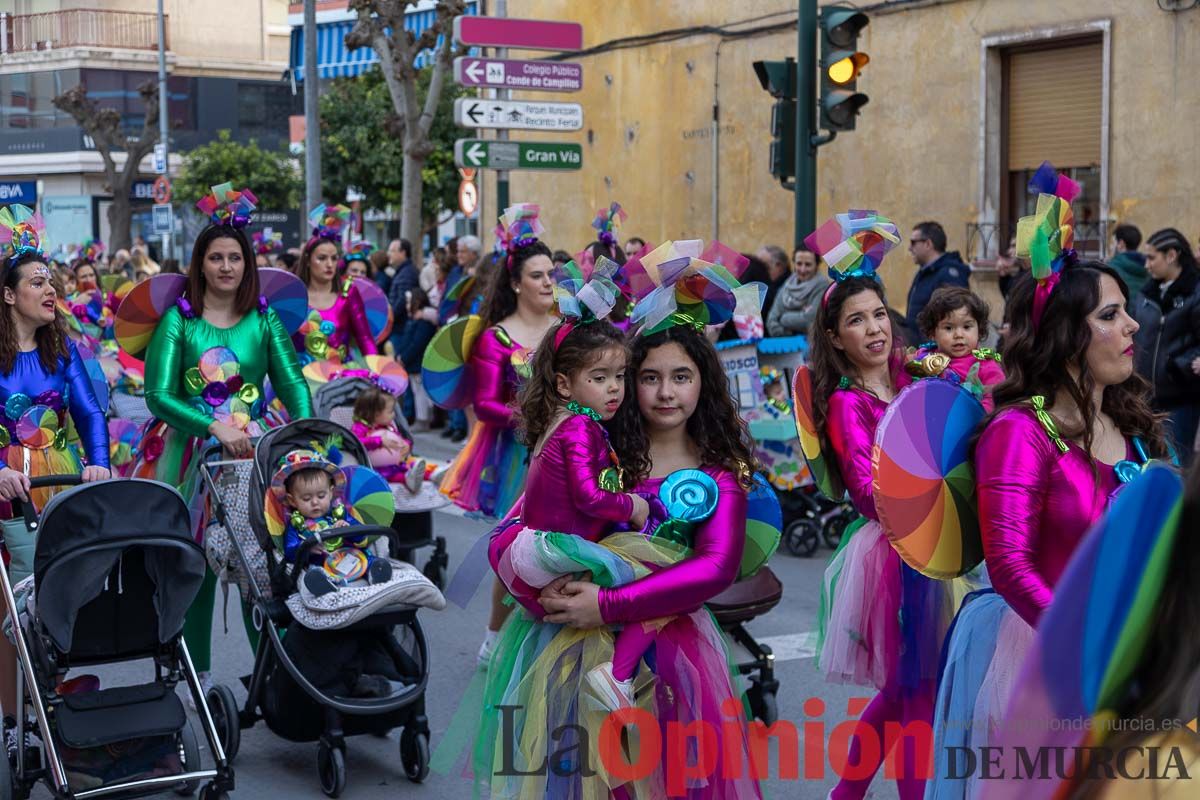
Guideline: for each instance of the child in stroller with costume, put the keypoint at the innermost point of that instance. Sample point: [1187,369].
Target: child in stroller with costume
[307,485]
[389,450]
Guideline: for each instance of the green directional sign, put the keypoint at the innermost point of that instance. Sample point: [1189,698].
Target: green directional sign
[490,154]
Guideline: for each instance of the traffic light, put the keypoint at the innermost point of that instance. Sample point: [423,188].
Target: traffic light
[779,79]
[841,64]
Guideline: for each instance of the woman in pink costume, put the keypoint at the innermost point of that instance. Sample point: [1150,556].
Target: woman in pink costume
[336,327]
[883,623]
[1072,423]
[488,475]
[684,419]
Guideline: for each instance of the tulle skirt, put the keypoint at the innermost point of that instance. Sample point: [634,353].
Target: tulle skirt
[37,463]
[537,675]
[986,648]
[489,473]
[881,618]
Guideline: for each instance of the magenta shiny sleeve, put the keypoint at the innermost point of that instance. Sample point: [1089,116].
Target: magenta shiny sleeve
[1013,464]
[358,323]
[488,372]
[585,451]
[851,427]
[687,585]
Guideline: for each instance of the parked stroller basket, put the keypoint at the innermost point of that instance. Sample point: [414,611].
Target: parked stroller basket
[278,691]
[107,588]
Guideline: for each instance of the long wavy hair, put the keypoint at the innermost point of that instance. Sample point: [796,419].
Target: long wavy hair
[246,298]
[716,427]
[828,364]
[1036,362]
[304,265]
[500,299]
[51,338]
[580,349]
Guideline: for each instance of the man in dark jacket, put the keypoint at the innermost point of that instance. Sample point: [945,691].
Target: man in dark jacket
[1128,261]
[1168,339]
[405,276]
[935,268]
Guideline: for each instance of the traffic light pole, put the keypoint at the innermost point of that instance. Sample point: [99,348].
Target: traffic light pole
[805,187]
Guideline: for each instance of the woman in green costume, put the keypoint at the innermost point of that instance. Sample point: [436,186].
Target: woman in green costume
[206,364]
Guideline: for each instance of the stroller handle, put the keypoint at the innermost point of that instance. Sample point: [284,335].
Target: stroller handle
[26,509]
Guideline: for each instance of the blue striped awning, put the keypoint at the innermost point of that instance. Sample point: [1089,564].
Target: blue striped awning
[335,60]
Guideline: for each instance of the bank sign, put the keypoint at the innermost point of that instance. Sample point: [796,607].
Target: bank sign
[23,192]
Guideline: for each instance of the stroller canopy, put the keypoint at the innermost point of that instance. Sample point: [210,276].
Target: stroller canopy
[84,532]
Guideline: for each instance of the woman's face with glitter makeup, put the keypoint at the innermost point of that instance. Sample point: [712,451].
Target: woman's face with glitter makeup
[1109,355]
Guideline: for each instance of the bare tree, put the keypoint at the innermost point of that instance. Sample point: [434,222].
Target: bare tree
[380,26]
[103,125]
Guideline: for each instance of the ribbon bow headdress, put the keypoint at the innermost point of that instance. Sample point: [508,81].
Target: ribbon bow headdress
[1047,236]
[519,227]
[267,241]
[679,284]
[90,251]
[358,250]
[228,206]
[329,223]
[21,231]
[584,294]
[606,223]
[853,245]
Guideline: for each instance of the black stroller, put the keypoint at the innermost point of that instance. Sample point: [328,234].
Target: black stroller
[809,517]
[279,691]
[115,570]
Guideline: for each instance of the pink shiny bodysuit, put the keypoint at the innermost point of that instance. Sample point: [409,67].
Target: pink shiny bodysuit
[348,317]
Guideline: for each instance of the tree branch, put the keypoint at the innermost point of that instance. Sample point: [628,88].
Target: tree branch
[446,12]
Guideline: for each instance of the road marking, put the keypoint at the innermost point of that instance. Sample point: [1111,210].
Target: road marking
[792,646]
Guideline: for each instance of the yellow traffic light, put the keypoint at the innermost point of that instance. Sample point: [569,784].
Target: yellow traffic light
[845,70]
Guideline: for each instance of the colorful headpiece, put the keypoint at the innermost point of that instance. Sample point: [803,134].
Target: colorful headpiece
[329,223]
[1047,236]
[21,231]
[267,241]
[853,244]
[302,459]
[678,284]
[90,251]
[228,206]
[359,250]
[518,227]
[606,223]
[584,295]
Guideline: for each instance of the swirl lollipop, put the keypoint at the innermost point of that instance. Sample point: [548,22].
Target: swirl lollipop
[444,367]
[140,311]
[377,307]
[286,294]
[689,495]
[37,427]
[368,494]
[764,527]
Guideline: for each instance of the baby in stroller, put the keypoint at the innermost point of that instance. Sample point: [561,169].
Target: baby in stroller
[388,449]
[308,486]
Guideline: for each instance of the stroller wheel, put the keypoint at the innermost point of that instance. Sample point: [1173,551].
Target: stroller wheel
[224,711]
[802,537]
[189,755]
[331,767]
[414,754]
[833,530]
[211,792]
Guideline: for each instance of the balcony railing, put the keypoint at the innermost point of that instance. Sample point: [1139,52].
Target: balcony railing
[985,240]
[81,27]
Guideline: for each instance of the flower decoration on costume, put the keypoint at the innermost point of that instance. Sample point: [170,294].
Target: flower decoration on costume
[217,387]
[228,206]
[1047,236]
[584,295]
[678,284]
[267,241]
[21,231]
[519,227]
[329,223]
[606,223]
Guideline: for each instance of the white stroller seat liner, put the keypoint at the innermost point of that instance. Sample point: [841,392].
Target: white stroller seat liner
[408,588]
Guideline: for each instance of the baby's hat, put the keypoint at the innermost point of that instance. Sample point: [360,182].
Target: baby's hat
[302,459]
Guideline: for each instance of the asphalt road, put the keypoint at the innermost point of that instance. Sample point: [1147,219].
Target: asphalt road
[268,766]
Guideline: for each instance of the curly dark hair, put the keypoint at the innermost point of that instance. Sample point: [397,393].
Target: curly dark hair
[1036,361]
[580,348]
[828,364]
[946,301]
[500,300]
[51,338]
[719,432]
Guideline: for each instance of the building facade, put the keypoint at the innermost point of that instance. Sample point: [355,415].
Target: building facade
[966,98]
[221,76]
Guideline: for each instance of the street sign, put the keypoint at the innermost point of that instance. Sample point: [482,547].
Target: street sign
[162,219]
[466,173]
[542,76]
[490,154]
[526,34]
[160,158]
[468,197]
[161,193]
[518,114]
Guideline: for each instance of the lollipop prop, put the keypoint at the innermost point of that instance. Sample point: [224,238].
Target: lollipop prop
[444,368]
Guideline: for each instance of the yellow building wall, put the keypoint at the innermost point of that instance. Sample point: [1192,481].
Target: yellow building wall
[917,149]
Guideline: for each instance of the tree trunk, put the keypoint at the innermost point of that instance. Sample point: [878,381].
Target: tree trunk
[410,206]
[120,219]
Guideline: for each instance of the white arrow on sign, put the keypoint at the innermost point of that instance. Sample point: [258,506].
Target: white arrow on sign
[526,115]
[477,154]
[473,70]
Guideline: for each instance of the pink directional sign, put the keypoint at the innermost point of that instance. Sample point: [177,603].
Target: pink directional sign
[542,76]
[527,34]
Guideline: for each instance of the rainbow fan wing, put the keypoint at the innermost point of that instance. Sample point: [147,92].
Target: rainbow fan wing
[452,303]
[95,372]
[1093,635]
[924,481]
[368,494]
[764,526]
[379,310]
[142,308]
[444,369]
[389,372]
[810,439]
[275,516]
[287,294]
